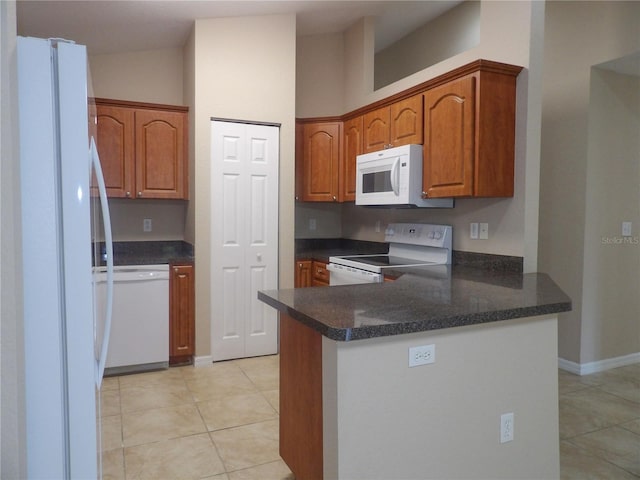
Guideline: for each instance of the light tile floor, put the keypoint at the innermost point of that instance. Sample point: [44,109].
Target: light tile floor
[215,422]
[221,422]
[600,424]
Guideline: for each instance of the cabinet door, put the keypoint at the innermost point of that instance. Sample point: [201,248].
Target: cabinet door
[377,129]
[320,276]
[115,142]
[321,162]
[161,157]
[352,148]
[182,313]
[302,274]
[449,139]
[406,121]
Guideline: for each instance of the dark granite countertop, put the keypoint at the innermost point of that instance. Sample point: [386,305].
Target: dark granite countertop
[421,299]
[147,253]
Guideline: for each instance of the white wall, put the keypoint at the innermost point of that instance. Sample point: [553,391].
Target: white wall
[442,420]
[327,217]
[447,35]
[153,76]
[244,69]
[12,426]
[578,35]
[167,217]
[611,279]
[319,75]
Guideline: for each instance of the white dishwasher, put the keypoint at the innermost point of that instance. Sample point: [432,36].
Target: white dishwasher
[140,321]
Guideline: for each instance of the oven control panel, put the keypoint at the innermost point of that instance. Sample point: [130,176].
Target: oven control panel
[428,235]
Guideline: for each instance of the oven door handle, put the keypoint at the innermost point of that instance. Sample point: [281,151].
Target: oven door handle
[395,174]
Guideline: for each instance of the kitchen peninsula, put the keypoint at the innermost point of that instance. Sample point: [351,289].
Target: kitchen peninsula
[351,406]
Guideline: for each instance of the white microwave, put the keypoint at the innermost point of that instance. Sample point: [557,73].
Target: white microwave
[393,177]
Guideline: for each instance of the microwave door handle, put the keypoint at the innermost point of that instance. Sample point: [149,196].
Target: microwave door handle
[395,180]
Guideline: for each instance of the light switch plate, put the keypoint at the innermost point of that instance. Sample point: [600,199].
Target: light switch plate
[484,231]
[473,230]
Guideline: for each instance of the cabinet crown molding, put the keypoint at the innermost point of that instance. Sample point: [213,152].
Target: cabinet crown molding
[131,104]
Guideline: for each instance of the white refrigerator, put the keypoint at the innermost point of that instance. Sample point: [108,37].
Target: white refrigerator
[64,344]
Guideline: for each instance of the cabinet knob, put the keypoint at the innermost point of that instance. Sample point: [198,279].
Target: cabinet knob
[334,198]
[175,269]
[425,194]
[128,194]
[139,194]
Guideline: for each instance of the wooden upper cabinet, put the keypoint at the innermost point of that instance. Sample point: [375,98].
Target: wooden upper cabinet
[449,139]
[394,125]
[465,119]
[406,121]
[115,142]
[377,129]
[469,133]
[143,149]
[321,161]
[160,154]
[352,148]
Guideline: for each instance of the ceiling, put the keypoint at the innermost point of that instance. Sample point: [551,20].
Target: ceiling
[107,26]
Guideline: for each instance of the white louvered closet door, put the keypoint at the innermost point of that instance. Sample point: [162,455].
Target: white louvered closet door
[244,238]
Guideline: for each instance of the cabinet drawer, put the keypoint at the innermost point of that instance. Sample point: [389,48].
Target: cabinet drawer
[320,274]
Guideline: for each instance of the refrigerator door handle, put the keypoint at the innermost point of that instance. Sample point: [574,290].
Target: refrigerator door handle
[106,218]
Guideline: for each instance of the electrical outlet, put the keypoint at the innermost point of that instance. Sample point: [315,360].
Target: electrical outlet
[312,224]
[626,229]
[473,230]
[147,225]
[506,427]
[484,231]
[422,355]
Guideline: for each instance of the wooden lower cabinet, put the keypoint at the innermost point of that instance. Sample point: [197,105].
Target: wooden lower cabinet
[302,276]
[311,273]
[181,313]
[320,277]
[301,426]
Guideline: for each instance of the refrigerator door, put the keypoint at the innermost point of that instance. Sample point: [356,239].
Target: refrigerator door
[61,417]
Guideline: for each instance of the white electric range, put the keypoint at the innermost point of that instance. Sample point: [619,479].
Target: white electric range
[410,245]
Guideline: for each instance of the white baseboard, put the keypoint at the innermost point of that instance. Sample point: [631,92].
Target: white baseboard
[202,361]
[599,366]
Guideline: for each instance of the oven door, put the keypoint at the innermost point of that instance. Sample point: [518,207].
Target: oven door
[343,275]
